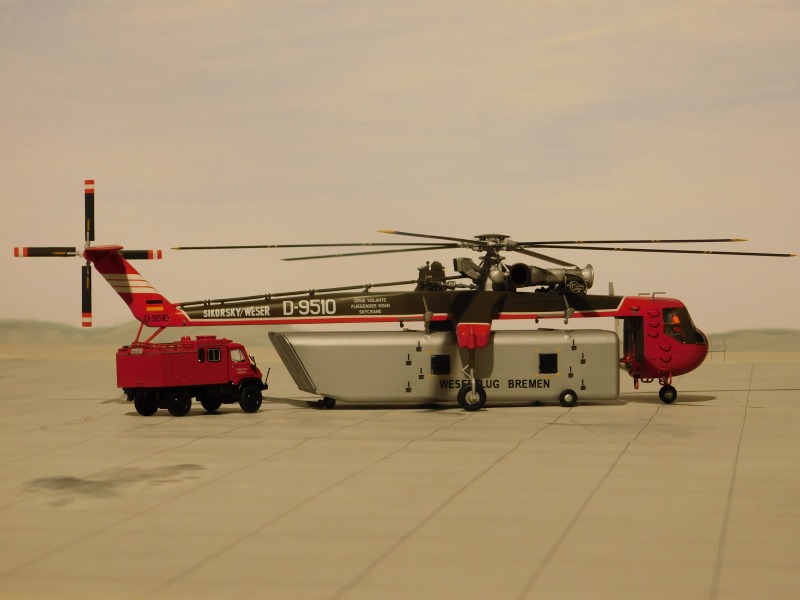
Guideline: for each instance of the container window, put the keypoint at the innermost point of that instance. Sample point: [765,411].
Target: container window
[201,355]
[214,355]
[548,363]
[440,364]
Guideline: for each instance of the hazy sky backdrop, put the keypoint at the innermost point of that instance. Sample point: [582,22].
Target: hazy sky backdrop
[225,122]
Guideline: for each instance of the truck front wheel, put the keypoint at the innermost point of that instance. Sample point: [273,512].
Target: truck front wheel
[180,404]
[250,399]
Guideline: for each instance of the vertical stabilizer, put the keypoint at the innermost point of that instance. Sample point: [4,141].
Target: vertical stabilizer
[145,302]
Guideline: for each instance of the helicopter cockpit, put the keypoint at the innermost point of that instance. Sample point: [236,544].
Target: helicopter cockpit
[679,326]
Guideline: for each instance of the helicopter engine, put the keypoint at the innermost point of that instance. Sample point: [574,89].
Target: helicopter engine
[573,280]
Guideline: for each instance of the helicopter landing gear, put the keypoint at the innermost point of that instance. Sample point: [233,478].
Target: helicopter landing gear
[568,398]
[323,403]
[472,397]
[667,394]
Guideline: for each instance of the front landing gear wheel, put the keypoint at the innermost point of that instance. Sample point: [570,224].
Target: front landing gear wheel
[668,394]
[568,398]
[472,400]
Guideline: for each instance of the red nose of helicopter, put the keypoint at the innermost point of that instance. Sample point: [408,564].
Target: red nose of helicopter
[692,355]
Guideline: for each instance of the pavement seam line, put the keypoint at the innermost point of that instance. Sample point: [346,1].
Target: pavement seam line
[176,578]
[389,551]
[130,517]
[534,578]
[723,538]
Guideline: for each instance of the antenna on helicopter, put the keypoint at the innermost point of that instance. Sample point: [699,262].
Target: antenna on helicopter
[70,251]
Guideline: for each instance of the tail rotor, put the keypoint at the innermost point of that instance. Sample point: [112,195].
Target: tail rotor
[71,251]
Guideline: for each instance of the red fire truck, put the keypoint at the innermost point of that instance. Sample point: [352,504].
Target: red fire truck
[168,375]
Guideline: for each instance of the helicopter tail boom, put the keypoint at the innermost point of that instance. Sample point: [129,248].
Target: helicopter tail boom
[145,302]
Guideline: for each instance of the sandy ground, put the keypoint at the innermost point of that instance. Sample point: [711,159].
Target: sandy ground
[627,498]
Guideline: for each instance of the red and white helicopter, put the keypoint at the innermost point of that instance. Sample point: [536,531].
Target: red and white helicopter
[659,341]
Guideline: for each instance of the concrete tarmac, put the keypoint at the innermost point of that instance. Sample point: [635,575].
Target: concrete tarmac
[626,498]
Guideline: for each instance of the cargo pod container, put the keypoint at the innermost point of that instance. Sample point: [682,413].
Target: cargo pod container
[412,367]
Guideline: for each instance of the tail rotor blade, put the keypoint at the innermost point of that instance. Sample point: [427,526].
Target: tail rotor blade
[141,254]
[88,194]
[46,251]
[86,295]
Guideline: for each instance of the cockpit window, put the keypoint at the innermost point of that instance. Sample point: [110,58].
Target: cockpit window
[678,325]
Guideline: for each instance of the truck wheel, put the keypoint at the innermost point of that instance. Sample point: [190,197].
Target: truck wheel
[472,400]
[568,398]
[668,394]
[211,404]
[180,404]
[250,400]
[145,406]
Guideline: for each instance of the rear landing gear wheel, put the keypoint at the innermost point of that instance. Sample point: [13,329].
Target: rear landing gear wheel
[322,403]
[667,394]
[472,400]
[568,398]
[180,404]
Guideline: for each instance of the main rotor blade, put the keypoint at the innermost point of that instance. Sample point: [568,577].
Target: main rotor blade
[366,287]
[678,241]
[544,257]
[439,247]
[46,251]
[665,250]
[432,237]
[253,246]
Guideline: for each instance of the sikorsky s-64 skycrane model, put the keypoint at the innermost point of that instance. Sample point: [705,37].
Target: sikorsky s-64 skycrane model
[456,352]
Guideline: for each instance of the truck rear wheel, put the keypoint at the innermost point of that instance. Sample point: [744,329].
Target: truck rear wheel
[250,399]
[180,404]
[145,406]
[211,404]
